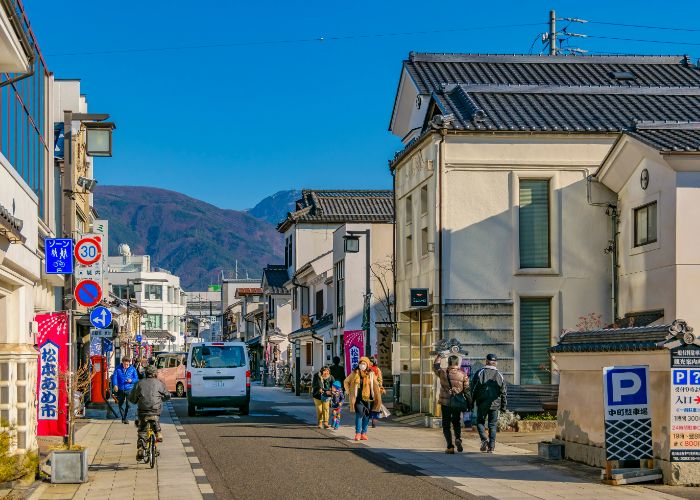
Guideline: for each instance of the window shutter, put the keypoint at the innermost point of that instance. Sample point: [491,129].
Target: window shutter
[534,224]
[535,339]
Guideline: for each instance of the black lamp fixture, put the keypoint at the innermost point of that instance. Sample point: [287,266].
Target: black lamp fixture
[99,138]
[352,244]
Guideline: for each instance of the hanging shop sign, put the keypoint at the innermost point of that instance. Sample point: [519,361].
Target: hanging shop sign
[52,395]
[419,297]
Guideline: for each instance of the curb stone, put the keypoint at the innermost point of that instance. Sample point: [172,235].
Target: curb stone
[205,488]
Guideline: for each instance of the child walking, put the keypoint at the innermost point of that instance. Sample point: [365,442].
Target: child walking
[337,399]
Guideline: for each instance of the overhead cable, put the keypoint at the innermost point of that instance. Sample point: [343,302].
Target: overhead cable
[290,41]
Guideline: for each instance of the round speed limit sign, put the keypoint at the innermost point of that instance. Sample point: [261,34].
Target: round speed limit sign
[88,250]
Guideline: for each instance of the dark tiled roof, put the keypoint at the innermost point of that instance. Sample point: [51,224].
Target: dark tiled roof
[342,206]
[430,71]
[683,137]
[563,109]
[561,94]
[645,338]
[275,276]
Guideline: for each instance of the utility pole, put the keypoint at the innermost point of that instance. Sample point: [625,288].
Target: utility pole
[552,33]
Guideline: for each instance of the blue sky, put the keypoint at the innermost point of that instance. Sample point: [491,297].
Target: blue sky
[231,125]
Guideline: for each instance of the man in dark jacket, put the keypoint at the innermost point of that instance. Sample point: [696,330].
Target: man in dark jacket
[149,395]
[123,380]
[337,371]
[453,381]
[489,396]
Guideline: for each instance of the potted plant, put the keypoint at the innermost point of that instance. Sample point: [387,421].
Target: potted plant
[69,462]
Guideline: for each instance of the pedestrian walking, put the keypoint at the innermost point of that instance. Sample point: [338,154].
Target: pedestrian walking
[321,391]
[454,399]
[374,415]
[362,388]
[489,396]
[337,399]
[141,365]
[123,380]
[337,371]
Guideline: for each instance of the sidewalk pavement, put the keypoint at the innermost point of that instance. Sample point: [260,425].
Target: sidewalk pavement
[114,473]
[510,472]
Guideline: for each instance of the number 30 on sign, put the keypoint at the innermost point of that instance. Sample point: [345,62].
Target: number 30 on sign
[88,250]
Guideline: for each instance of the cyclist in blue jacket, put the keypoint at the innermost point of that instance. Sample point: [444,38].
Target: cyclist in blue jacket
[124,378]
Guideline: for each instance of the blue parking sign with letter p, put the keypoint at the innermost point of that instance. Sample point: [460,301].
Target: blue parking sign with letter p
[626,385]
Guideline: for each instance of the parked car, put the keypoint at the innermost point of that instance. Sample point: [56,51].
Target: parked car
[171,370]
[218,376]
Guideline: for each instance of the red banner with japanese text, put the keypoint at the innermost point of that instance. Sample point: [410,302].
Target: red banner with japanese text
[52,396]
[354,343]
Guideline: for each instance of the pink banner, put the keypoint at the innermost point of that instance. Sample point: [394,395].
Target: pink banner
[354,342]
[53,361]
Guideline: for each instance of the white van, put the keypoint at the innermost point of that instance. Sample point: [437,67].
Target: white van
[218,375]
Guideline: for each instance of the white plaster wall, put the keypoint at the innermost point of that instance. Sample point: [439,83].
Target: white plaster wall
[687,246]
[414,172]
[480,217]
[647,274]
[312,240]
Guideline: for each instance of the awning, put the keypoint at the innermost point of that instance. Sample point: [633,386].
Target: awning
[316,330]
[253,342]
[158,335]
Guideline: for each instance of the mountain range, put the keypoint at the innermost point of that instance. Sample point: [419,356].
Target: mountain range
[191,238]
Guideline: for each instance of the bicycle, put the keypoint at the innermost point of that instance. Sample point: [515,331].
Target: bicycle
[150,447]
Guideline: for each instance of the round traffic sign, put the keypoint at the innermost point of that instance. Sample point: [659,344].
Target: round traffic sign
[101,317]
[88,250]
[88,293]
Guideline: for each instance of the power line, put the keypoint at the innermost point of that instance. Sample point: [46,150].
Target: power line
[644,26]
[666,42]
[290,41]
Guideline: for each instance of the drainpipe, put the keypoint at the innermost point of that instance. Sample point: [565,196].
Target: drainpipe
[610,211]
[441,163]
[394,314]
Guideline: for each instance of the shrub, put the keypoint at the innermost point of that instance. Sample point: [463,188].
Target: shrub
[14,466]
[507,420]
[541,416]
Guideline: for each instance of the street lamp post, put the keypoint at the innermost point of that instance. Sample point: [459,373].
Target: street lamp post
[69,229]
[352,245]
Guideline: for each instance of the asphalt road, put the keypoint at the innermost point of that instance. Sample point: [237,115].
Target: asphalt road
[270,455]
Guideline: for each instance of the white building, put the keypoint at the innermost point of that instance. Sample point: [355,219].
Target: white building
[328,286]
[157,291]
[498,214]
[30,194]
[277,319]
[231,302]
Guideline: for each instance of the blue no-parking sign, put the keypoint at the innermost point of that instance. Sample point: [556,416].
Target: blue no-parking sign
[101,317]
[627,413]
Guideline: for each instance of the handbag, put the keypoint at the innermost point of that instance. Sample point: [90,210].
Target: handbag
[459,401]
[383,412]
[361,408]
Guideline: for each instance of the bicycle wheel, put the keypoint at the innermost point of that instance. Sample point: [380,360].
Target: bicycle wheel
[153,450]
